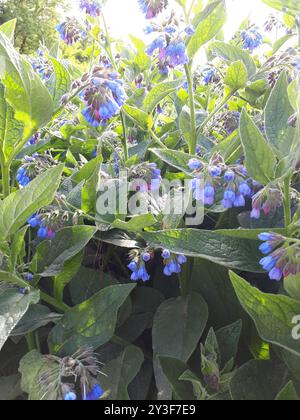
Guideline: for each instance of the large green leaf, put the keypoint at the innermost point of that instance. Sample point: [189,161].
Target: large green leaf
[158,93]
[11,130]
[282,5]
[209,23]
[13,306]
[51,256]
[24,90]
[19,206]
[60,83]
[231,53]
[119,373]
[236,76]
[273,315]
[136,224]
[33,367]
[277,112]
[174,158]
[178,326]
[8,28]
[288,393]
[260,158]
[141,118]
[241,254]
[257,381]
[91,323]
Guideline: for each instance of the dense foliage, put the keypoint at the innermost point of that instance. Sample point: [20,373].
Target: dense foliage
[149,217]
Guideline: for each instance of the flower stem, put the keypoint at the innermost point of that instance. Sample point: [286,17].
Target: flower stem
[193,144]
[157,139]
[60,306]
[31,344]
[287,202]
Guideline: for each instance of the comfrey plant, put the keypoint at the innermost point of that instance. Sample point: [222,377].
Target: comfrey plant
[140,180]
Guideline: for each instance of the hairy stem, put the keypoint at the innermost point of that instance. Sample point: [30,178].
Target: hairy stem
[216,111]
[287,202]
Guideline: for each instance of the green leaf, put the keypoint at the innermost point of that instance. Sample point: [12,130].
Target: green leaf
[141,118]
[119,373]
[260,158]
[210,22]
[292,286]
[60,83]
[24,90]
[91,323]
[228,340]
[11,130]
[10,388]
[282,5]
[178,326]
[277,113]
[178,160]
[70,269]
[136,224]
[237,76]
[32,368]
[231,53]
[8,28]
[19,206]
[257,381]
[173,370]
[249,233]
[288,393]
[51,256]
[36,317]
[13,306]
[241,254]
[158,93]
[17,248]
[273,315]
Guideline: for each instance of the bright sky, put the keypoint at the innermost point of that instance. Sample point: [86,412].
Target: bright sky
[125,17]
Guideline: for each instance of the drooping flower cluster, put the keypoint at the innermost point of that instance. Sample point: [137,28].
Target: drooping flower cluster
[138,266]
[209,76]
[90,7]
[233,180]
[33,166]
[266,200]
[44,229]
[151,8]
[145,177]
[34,139]
[70,31]
[103,98]
[48,221]
[71,378]
[251,38]
[284,255]
[172,263]
[42,65]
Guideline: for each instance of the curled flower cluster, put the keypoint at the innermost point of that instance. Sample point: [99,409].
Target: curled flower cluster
[266,201]
[70,31]
[23,177]
[151,8]
[103,98]
[34,139]
[209,76]
[284,256]
[90,7]
[234,181]
[145,177]
[251,38]
[138,267]
[33,166]
[172,263]
[27,277]
[41,65]
[44,229]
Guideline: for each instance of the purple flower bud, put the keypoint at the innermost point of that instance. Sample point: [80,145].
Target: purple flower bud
[229,176]
[194,165]
[255,214]
[266,248]
[133,266]
[166,254]
[182,259]
[239,201]
[146,257]
[276,274]
[70,396]
[215,171]
[244,189]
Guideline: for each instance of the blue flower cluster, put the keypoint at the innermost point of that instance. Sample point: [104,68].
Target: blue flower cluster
[252,39]
[277,263]
[91,7]
[209,75]
[171,54]
[234,180]
[23,177]
[41,65]
[265,200]
[138,267]
[94,394]
[172,263]
[151,8]
[104,98]
[70,31]
[44,231]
